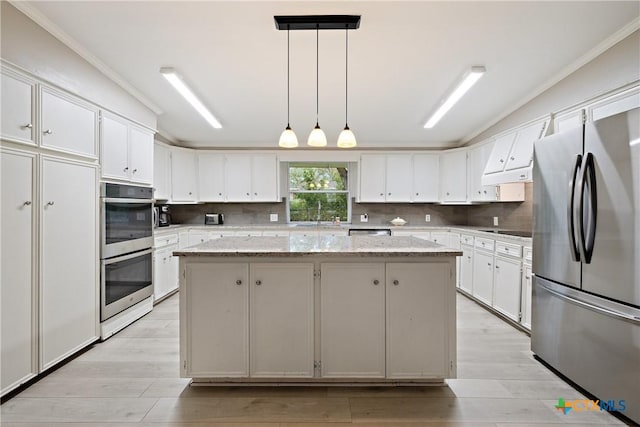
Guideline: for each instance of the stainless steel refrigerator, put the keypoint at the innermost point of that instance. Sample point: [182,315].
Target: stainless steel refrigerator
[586,257]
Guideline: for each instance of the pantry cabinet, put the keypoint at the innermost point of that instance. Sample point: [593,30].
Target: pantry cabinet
[453,176]
[184,177]
[18,112]
[18,290]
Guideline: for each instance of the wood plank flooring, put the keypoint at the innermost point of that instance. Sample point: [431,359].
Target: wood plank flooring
[132,379]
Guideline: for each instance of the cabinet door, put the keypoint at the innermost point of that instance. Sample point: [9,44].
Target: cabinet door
[466,269]
[417,300]
[281,313]
[453,176]
[522,151]
[218,295]
[17,117]
[399,178]
[442,237]
[183,176]
[115,152]
[141,155]
[478,158]
[211,177]
[352,320]
[500,153]
[67,124]
[69,258]
[161,172]
[159,274]
[483,276]
[18,305]
[426,177]
[197,236]
[527,288]
[237,177]
[372,177]
[264,178]
[506,287]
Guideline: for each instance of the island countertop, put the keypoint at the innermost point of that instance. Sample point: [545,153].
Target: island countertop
[295,246]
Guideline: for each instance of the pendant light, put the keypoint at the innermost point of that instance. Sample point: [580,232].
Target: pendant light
[346,139]
[317,138]
[288,138]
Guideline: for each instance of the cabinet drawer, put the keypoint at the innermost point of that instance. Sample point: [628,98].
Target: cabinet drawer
[486,244]
[528,255]
[508,249]
[466,239]
[161,241]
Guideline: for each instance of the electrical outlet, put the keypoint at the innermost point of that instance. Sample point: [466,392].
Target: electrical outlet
[273,217]
[427,218]
[364,218]
[495,221]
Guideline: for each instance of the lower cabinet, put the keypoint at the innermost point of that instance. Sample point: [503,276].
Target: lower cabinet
[165,272]
[506,287]
[527,289]
[352,320]
[483,276]
[466,269]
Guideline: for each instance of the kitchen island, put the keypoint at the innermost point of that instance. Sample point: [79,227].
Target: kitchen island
[319,309]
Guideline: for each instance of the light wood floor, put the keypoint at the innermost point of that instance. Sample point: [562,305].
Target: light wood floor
[133,378]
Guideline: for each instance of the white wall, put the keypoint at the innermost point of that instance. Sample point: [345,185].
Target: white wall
[29,46]
[616,67]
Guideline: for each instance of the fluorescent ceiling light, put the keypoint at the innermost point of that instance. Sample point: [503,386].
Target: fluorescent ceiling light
[175,80]
[468,80]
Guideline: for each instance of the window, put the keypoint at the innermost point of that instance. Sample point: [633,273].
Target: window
[318,192]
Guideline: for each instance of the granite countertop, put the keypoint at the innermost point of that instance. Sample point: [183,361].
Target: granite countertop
[318,245]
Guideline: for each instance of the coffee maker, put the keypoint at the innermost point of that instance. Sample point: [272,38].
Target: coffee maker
[164,216]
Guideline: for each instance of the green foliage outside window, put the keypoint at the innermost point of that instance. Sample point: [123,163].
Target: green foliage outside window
[318,190]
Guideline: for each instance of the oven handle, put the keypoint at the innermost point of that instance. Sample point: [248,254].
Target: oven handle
[127,256]
[112,200]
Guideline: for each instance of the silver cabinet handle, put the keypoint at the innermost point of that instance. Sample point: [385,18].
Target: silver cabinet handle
[190,193]
[238,282]
[382,194]
[389,194]
[126,169]
[498,267]
[501,160]
[28,126]
[219,194]
[396,283]
[27,203]
[248,194]
[489,264]
[417,194]
[513,158]
[258,282]
[506,249]
[376,282]
[50,203]
[135,170]
[255,194]
[48,132]
[448,194]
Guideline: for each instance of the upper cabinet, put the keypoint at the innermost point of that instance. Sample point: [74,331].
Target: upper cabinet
[611,105]
[184,178]
[426,177]
[478,157]
[373,177]
[67,123]
[17,115]
[453,176]
[211,177]
[161,172]
[127,150]
[398,178]
[251,178]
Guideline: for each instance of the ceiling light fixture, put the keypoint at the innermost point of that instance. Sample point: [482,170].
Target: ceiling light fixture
[288,138]
[467,81]
[346,139]
[176,81]
[317,138]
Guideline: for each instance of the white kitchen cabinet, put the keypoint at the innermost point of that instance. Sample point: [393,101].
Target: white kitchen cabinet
[426,178]
[18,290]
[372,178]
[264,178]
[184,176]
[219,294]
[453,176]
[198,236]
[483,276]
[161,172]
[211,183]
[281,335]
[440,237]
[165,266]
[478,158]
[127,151]
[69,258]
[68,124]
[500,153]
[237,177]
[17,115]
[466,269]
[527,289]
[140,155]
[415,299]
[183,239]
[521,155]
[399,177]
[614,104]
[352,320]
[506,287]
[568,120]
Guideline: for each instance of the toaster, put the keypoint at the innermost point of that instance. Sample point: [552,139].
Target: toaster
[213,219]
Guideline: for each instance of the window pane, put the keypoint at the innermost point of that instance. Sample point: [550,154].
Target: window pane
[314,178]
[318,192]
[308,206]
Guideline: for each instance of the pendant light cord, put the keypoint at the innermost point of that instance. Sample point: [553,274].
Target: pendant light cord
[317,72]
[288,77]
[346,77]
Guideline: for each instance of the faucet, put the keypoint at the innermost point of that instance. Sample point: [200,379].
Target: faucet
[319,209]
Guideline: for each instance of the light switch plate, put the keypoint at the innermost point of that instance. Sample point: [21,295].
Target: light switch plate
[495,221]
[364,218]
[427,218]
[273,217]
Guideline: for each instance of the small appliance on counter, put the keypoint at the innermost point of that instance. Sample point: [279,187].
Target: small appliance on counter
[164,217]
[213,219]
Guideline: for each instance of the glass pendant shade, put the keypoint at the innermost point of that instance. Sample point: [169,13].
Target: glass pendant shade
[288,139]
[347,139]
[317,138]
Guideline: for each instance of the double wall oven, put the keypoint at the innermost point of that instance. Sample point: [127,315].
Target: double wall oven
[126,247]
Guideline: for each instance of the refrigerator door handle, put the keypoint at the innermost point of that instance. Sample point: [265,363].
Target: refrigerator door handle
[575,252]
[588,179]
[599,309]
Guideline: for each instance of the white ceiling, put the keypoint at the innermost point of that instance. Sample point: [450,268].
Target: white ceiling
[402,60]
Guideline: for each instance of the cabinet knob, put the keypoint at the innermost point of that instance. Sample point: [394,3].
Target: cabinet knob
[527,277]
[396,283]
[28,126]
[219,194]
[506,249]
[479,192]
[498,267]
[448,194]
[501,160]
[489,264]
[135,170]
[248,194]
[190,193]
[255,194]
[382,194]
[389,194]
[126,169]
[417,194]
[238,282]
[48,132]
[50,203]
[376,282]
[258,282]
[469,256]
[27,203]
[512,158]
[482,243]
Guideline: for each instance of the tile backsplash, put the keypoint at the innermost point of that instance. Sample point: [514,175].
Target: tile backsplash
[513,215]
